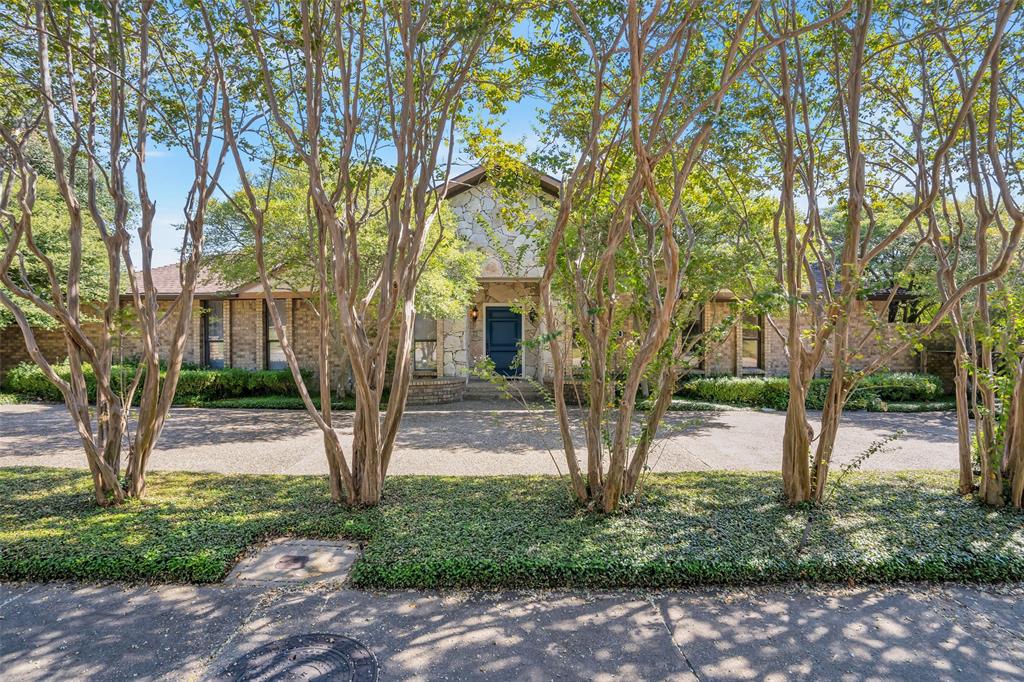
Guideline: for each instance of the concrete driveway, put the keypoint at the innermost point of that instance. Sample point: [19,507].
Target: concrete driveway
[471,438]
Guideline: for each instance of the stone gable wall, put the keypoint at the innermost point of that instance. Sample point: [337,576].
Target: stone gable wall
[508,253]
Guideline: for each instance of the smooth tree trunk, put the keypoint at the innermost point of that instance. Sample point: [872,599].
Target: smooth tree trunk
[831,415]
[961,382]
[1013,458]
[796,439]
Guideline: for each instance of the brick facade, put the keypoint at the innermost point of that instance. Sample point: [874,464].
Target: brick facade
[724,358]
[436,390]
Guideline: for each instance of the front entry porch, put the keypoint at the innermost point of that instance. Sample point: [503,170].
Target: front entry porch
[497,327]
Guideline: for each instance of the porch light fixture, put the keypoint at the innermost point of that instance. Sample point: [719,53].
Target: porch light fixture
[474,313]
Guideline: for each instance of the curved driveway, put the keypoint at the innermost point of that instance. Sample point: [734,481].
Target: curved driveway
[471,438]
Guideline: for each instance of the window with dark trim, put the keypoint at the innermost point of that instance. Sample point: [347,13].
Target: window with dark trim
[753,342]
[275,357]
[424,345]
[213,334]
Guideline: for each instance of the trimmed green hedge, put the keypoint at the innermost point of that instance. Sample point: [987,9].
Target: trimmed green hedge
[514,531]
[275,402]
[872,393]
[194,385]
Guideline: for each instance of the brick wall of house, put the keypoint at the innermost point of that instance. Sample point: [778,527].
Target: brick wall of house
[306,333]
[723,358]
[246,334]
[52,344]
[131,344]
[13,351]
[720,357]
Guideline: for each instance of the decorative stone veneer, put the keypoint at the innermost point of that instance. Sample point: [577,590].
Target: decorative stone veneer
[509,253]
[454,344]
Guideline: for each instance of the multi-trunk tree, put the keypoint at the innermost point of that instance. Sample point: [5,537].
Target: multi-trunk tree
[859,123]
[335,90]
[98,82]
[650,83]
[869,163]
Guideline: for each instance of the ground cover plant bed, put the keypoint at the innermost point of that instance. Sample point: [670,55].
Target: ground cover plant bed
[517,531]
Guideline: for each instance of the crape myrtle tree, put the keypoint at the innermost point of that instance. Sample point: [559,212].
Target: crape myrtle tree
[855,138]
[336,89]
[445,287]
[792,131]
[636,92]
[975,237]
[101,82]
[874,102]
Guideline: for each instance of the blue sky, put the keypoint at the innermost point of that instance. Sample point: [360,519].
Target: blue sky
[170,175]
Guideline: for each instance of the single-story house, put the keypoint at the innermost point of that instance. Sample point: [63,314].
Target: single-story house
[232,328]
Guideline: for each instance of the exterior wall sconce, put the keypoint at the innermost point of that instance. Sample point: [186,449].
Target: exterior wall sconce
[532,316]
[474,313]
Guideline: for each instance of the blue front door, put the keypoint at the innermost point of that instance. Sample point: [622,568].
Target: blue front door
[504,329]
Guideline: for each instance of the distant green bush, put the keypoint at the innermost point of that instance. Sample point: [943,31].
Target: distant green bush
[194,384]
[872,393]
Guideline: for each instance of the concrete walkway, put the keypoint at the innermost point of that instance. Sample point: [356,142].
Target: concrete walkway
[58,632]
[471,438]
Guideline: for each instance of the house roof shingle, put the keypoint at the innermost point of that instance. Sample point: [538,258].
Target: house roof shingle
[167,280]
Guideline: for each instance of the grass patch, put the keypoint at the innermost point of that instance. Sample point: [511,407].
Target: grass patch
[518,531]
[270,402]
[687,405]
[9,399]
[945,405]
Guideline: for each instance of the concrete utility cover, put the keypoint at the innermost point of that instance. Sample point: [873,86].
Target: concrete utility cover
[295,560]
[306,657]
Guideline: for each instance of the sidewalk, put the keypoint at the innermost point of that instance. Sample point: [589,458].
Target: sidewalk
[115,632]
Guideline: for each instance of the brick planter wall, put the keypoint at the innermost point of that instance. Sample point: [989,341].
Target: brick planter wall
[436,390]
[575,391]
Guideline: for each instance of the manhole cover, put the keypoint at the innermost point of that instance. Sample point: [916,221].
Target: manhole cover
[306,657]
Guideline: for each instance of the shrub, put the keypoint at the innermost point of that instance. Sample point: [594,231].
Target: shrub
[194,385]
[28,381]
[769,392]
[773,392]
[901,387]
